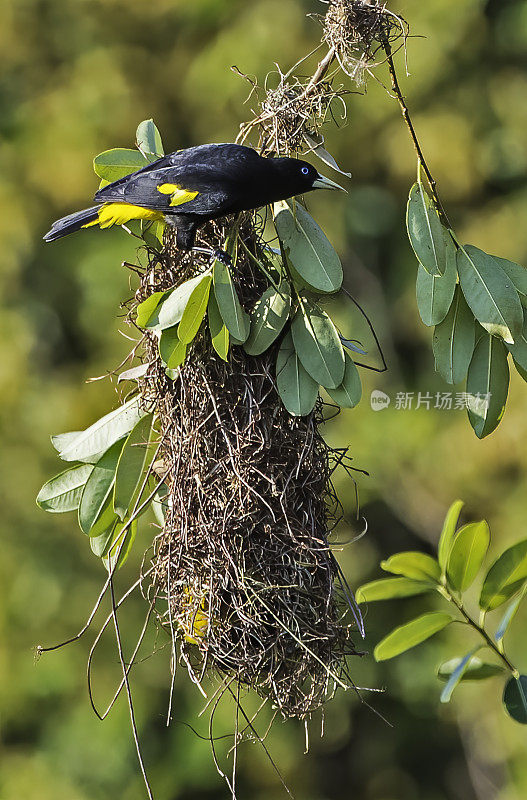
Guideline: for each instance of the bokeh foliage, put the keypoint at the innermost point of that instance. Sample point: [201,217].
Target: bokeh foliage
[76,78]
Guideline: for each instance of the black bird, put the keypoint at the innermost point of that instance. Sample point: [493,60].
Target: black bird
[189,187]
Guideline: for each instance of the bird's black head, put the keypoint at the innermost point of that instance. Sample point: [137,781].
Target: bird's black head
[293,176]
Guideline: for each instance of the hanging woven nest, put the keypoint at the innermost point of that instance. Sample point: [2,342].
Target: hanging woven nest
[243,576]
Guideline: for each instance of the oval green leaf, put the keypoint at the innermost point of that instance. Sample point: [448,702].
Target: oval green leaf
[518,350]
[349,393]
[172,351]
[295,386]
[391,588]
[268,317]
[517,274]
[148,140]
[194,310]
[413,633]
[435,292]
[466,556]
[117,163]
[505,577]
[169,309]
[476,670]
[457,674]
[509,616]
[97,492]
[426,234]
[63,492]
[448,533]
[132,467]
[147,308]
[100,436]
[487,385]
[307,247]
[318,345]
[490,293]
[233,315]
[120,545]
[515,698]
[219,333]
[413,564]
[454,340]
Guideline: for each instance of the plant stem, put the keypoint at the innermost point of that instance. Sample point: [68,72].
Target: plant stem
[480,629]
[409,124]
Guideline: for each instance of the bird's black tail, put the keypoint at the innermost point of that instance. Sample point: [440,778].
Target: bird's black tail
[71,223]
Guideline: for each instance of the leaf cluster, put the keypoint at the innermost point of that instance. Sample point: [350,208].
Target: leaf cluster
[112,481]
[460,558]
[311,352]
[477,304]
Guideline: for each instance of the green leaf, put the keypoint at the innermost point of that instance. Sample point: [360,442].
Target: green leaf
[148,140]
[318,345]
[466,554]
[490,293]
[115,557]
[170,308]
[153,233]
[515,698]
[426,234]
[194,310]
[517,274]
[476,670]
[349,393]
[147,308]
[391,588]
[413,564]
[219,333]
[435,292]
[100,436]
[518,350]
[457,674]
[117,163]
[487,385]
[307,247]
[172,351]
[413,633]
[63,492]
[454,340]
[448,533]
[96,497]
[132,467]
[267,317]
[229,306]
[295,386]
[509,616]
[101,544]
[505,577]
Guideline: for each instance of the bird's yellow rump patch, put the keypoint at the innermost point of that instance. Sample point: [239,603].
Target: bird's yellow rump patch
[121,213]
[179,194]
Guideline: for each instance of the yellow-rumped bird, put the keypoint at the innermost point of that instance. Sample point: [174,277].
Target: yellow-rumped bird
[189,187]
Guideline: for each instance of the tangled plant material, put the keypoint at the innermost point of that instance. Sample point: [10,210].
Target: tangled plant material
[355,31]
[243,576]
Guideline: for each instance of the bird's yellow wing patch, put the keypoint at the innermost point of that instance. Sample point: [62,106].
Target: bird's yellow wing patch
[179,194]
[121,213]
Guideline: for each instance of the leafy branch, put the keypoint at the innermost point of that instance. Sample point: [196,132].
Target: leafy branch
[460,558]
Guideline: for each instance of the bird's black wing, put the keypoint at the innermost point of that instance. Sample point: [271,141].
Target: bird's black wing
[204,180]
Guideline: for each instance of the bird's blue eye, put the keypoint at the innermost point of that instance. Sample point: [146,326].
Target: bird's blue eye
[305,170]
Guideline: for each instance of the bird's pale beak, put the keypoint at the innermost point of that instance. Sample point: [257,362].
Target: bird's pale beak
[325,183]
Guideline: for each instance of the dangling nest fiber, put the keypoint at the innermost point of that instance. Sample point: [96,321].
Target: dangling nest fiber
[244,579]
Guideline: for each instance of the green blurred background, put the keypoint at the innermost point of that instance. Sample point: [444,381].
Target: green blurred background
[76,78]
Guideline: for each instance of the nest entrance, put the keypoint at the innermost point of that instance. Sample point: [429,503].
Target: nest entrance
[244,579]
